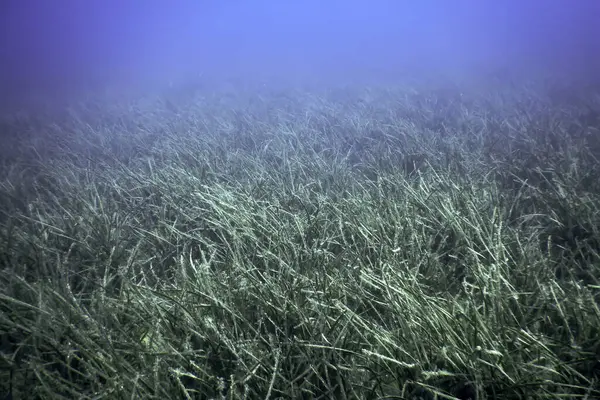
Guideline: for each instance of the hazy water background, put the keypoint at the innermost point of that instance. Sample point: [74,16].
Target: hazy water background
[59,48]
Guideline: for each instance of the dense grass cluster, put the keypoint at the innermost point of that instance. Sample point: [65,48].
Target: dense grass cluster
[351,243]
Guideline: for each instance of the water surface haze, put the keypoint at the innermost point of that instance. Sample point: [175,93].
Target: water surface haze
[63,46]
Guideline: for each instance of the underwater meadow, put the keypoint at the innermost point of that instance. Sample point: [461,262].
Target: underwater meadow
[411,241]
